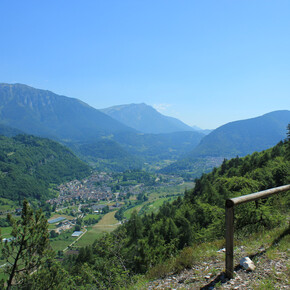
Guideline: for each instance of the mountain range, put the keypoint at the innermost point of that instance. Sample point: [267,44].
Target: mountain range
[44,113]
[127,136]
[237,138]
[78,125]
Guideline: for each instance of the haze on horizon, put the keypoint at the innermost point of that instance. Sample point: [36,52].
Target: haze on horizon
[204,62]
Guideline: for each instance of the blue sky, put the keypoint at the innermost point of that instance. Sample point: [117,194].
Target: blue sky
[204,62]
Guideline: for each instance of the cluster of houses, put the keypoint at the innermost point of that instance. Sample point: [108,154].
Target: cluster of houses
[102,186]
[62,224]
[98,187]
[87,189]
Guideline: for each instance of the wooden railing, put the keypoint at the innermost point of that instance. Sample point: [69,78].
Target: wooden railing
[230,204]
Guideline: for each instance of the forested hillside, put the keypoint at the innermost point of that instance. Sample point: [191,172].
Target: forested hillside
[8,131]
[107,155]
[157,147]
[145,241]
[28,165]
[76,124]
[237,138]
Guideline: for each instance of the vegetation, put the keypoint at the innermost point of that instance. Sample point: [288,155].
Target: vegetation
[232,139]
[143,243]
[28,247]
[148,240]
[28,166]
[106,155]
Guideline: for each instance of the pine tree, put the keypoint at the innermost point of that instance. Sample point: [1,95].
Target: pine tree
[288,142]
[28,248]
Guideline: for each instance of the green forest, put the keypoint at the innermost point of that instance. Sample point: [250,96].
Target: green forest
[30,165]
[117,259]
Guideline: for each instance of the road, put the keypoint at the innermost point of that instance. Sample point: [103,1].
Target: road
[75,240]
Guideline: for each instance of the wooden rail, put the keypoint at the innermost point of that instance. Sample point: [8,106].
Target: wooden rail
[230,204]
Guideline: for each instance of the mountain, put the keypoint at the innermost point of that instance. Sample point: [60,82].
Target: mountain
[204,131]
[145,119]
[9,131]
[245,136]
[29,165]
[235,138]
[43,113]
[76,124]
[107,155]
[158,147]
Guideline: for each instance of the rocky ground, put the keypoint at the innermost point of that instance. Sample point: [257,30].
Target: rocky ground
[270,273]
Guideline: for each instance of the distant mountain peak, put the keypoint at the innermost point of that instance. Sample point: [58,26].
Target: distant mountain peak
[146,119]
[235,138]
[44,113]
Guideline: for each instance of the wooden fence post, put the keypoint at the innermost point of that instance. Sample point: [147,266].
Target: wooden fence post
[230,204]
[229,241]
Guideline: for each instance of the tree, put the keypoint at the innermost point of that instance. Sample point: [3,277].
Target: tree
[106,209]
[28,248]
[288,142]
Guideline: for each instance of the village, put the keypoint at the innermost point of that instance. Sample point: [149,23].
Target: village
[101,188]
[99,194]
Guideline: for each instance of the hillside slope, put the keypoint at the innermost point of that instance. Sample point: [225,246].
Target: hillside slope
[146,119]
[107,155]
[46,114]
[28,165]
[245,136]
[237,138]
[76,124]
[154,147]
[144,242]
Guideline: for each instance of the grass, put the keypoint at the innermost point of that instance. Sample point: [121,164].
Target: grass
[107,224]
[157,197]
[274,245]
[154,206]
[94,216]
[128,212]
[186,258]
[62,241]
[6,232]
[107,221]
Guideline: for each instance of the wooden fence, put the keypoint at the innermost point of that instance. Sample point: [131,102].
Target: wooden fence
[230,204]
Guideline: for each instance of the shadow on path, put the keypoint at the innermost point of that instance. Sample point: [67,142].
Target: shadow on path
[221,278]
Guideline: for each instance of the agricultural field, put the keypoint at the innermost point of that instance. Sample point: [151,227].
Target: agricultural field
[6,232]
[62,241]
[107,224]
[156,197]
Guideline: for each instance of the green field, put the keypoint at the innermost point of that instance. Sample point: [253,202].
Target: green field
[157,197]
[92,215]
[107,224]
[62,241]
[6,232]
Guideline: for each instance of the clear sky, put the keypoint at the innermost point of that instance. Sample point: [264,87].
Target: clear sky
[206,62]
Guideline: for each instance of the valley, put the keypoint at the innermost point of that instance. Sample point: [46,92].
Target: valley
[99,203]
[121,201]
[144,145]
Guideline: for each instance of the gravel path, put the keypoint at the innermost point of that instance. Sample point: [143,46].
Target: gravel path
[269,274]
